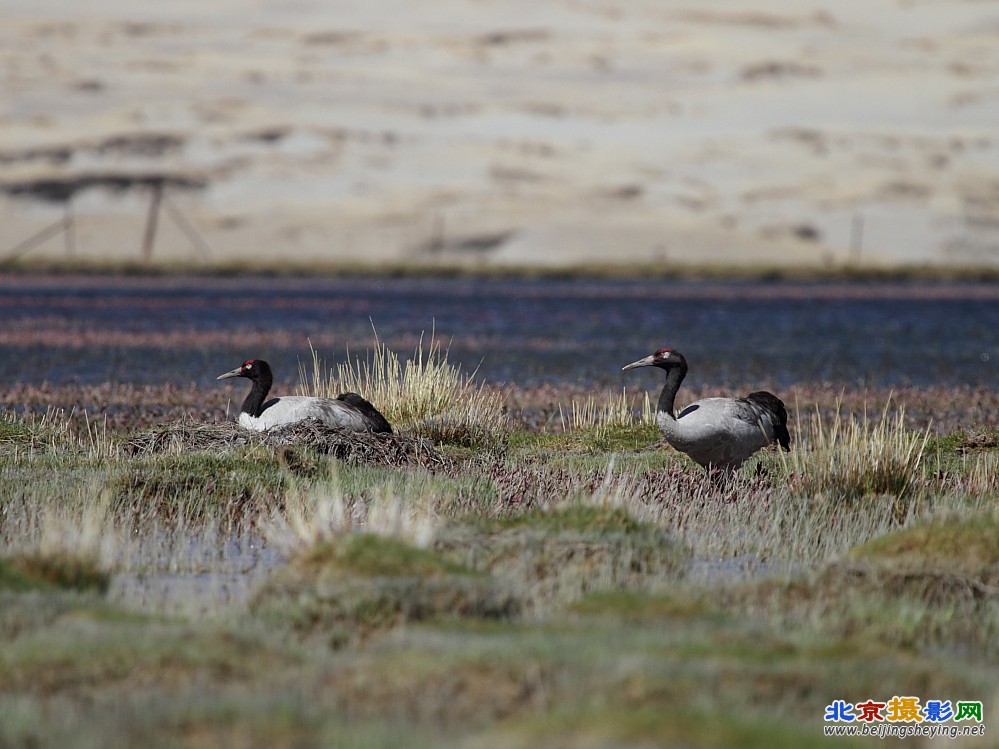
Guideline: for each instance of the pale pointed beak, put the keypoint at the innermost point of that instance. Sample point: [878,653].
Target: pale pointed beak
[646,362]
[237,372]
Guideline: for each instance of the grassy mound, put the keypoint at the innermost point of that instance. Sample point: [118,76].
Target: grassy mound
[185,487]
[55,432]
[30,571]
[552,557]
[968,546]
[947,563]
[931,587]
[343,590]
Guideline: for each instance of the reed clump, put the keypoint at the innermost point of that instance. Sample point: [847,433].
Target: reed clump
[601,415]
[424,394]
[321,512]
[853,457]
[55,431]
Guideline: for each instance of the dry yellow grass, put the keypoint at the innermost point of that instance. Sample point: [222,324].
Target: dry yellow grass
[425,393]
[853,457]
[317,513]
[612,412]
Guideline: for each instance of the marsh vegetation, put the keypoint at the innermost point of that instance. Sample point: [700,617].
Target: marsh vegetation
[512,569]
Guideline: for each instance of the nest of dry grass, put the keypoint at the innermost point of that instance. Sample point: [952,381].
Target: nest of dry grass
[185,435]
[341,444]
[360,447]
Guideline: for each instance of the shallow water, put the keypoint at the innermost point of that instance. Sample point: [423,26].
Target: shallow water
[206,578]
[186,329]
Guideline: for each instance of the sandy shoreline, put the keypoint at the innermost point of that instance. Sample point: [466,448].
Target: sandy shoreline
[465,133]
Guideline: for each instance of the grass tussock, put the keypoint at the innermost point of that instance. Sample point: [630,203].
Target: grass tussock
[930,587]
[345,589]
[424,394]
[186,489]
[855,457]
[72,545]
[368,555]
[966,546]
[552,557]
[32,571]
[322,513]
[971,474]
[55,431]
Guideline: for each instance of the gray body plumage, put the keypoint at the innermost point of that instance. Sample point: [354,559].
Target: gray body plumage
[720,432]
[289,409]
[716,432]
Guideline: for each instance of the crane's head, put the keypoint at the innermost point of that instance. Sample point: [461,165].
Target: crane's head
[664,358]
[251,368]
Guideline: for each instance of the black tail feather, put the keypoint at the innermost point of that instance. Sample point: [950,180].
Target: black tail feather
[373,415]
[778,414]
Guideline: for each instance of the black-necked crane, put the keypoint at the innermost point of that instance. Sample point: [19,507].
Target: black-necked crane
[718,433]
[348,410]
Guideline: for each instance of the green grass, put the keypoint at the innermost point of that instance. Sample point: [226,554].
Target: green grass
[967,545]
[365,555]
[284,267]
[634,606]
[342,591]
[27,572]
[545,590]
[185,487]
[584,519]
[14,432]
[590,439]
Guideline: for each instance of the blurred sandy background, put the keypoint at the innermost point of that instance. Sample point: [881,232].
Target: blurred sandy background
[761,132]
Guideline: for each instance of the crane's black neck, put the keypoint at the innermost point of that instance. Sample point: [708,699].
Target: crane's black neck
[254,403]
[667,398]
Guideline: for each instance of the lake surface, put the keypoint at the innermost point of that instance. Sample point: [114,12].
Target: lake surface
[145,330]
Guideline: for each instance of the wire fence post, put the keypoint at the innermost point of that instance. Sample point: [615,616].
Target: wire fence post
[187,227]
[69,228]
[149,236]
[856,238]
